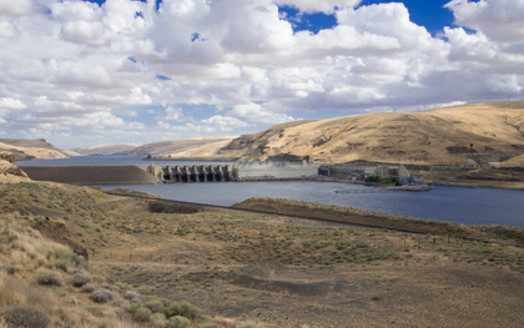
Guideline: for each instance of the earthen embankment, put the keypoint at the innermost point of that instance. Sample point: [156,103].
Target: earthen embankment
[91,175]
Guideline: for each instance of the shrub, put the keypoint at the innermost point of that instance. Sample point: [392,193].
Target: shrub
[177,321]
[63,265]
[132,296]
[28,317]
[80,279]
[142,314]
[155,305]
[50,278]
[184,309]
[89,288]
[158,320]
[101,295]
[246,324]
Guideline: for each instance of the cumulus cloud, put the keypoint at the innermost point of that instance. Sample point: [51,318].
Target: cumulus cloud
[256,113]
[14,8]
[500,20]
[128,70]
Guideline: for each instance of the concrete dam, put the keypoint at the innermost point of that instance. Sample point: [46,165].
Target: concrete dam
[193,173]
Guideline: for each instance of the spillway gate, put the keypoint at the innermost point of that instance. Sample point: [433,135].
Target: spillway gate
[196,173]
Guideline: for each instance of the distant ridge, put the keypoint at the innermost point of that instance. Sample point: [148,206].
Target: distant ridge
[105,150]
[472,134]
[24,149]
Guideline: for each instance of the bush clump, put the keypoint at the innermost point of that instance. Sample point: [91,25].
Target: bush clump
[80,279]
[177,321]
[28,317]
[184,309]
[141,314]
[101,295]
[49,278]
[89,288]
[155,305]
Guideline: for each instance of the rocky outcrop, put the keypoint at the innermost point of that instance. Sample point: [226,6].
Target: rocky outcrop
[9,171]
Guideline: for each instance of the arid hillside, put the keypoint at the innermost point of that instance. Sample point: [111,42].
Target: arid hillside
[31,149]
[76,257]
[113,149]
[460,135]
[186,148]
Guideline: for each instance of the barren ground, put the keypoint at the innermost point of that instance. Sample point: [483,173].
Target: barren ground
[282,271]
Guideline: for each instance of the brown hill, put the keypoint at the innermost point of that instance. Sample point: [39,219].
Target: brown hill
[197,147]
[31,149]
[459,135]
[113,149]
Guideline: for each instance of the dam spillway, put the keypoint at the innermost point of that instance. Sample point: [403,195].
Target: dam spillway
[193,173]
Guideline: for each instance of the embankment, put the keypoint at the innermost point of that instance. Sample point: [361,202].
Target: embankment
[91,175]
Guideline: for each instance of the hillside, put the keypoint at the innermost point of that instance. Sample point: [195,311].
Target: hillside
[459,135]
[105,150]
[31,149]
[76,257]
[197,147]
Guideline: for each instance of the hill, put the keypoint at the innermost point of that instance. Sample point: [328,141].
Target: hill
[186,148]
[76,257]
[31,149]
[472,134]
[107,150]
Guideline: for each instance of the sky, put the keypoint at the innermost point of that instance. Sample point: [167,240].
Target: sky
[80,73]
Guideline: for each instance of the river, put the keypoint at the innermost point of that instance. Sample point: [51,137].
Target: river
[472,206]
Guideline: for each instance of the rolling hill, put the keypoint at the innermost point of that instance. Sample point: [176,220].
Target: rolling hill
[197,147]
[105,150]
[31,149]
[472,134]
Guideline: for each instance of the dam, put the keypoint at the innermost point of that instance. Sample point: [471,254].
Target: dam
[192,173]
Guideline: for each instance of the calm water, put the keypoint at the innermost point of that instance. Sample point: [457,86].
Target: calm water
[462,205]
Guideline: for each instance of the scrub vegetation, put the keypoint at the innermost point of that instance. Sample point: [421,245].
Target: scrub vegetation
[77,257]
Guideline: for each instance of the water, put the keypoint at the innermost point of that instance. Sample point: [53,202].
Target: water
[470,206]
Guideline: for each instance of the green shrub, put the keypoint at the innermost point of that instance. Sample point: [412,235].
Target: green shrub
[246,324]
[158,320]
[142,314]
[184,309]
[101,295]
[80,279]
[155,305]
[28,317]
[177,321]
[49,278]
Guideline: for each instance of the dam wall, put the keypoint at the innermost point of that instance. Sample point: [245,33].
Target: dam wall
[259,171]
[91,175]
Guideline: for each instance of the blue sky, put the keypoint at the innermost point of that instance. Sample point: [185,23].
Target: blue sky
[81,73]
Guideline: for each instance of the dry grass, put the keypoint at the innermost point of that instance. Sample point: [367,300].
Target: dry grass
[238,266]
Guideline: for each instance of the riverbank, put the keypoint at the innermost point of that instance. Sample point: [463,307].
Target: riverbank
[273,270]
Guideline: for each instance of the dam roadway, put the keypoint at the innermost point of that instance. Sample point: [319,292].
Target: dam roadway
[130,174]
